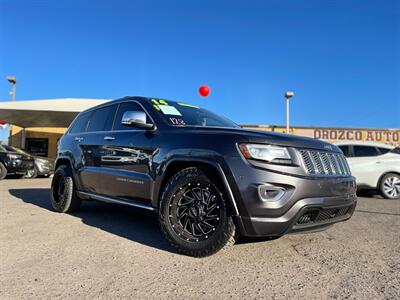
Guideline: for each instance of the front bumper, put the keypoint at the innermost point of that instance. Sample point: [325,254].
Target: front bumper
[17,166]
[309,214]
[46,168]
[309,202]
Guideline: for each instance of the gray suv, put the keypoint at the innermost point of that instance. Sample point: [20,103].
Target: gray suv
[208,180]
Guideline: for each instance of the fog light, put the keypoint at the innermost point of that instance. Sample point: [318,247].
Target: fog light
[270,193]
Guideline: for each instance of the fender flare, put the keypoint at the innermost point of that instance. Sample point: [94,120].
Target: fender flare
[213,164]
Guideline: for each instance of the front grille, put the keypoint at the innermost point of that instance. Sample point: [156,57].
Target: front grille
[315,215]
[324,163]
[28,164]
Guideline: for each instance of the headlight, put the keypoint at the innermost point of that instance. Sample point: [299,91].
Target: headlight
[14,156]
[269,153]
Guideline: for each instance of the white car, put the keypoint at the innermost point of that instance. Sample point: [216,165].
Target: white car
[375,166]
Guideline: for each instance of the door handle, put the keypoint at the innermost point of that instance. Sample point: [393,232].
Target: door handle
[109,138]
[78,139]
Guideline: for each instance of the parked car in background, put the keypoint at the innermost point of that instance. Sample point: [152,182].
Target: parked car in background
[208,179]
[13,162]
[375,166]
[43,166]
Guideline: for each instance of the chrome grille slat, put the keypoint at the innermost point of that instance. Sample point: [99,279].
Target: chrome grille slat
[346,165]
[317,162]
[333,163]
[324,163]
[340,164]
[338,168]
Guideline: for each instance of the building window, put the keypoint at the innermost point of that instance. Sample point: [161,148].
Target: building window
[38,147]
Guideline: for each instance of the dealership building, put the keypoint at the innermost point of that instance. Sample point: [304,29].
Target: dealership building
[39,124]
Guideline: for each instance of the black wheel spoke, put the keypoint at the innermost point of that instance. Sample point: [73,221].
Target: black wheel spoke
[182,212]
[207,225]
[187,199]
[187,222]
[193,229]
[211,218]
[195,211]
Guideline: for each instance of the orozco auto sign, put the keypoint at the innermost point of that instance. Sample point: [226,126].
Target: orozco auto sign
[383,136]
[387,136]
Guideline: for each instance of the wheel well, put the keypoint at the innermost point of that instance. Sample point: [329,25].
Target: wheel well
[62,162]
[211,172]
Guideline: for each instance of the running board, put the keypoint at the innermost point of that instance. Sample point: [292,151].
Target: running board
[118,201]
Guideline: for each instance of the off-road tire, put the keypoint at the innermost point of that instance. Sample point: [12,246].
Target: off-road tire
[225,233]
[3,171]
[65,200]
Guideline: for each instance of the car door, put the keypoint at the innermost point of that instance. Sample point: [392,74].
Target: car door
[94,148]
[365,165]
[72,144]
[127,158]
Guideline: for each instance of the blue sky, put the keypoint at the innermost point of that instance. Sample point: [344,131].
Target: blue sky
[341,58]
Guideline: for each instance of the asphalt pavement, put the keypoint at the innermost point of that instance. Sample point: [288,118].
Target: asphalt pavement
[109,251]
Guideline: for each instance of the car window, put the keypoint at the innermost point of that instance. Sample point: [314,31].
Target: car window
[2,148]
[383,150]
[364,151]
[124,107]
[81,123]
[102,119]
[396,150]
[345,150]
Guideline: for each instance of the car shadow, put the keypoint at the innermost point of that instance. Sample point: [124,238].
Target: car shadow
[128,222]
[369,193]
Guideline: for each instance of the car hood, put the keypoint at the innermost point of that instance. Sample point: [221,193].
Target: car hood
[23,156]
[268,137]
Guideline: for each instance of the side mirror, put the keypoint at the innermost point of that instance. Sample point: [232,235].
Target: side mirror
[136,119]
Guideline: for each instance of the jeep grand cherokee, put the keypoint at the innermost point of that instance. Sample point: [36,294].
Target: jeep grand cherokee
[209,180]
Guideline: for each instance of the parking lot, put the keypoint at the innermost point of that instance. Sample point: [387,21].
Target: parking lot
[109,251]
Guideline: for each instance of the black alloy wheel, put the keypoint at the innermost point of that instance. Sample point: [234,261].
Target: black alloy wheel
[194,211]
[63,194]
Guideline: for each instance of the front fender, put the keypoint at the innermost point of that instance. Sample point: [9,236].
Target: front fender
[211,159]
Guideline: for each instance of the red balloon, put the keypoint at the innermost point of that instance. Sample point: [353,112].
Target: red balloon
[204,90]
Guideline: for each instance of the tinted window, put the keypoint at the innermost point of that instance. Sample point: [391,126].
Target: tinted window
[345,150]
[361,151]
[124,107]
[81,123]
[384,150]
[102,119]
[396,150]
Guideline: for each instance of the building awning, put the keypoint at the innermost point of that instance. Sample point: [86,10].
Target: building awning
[45,113]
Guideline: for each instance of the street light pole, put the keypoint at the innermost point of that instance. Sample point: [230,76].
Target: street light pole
[288,95]
[13,81]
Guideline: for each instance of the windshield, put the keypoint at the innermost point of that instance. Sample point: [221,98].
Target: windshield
[182,114]
[2,148]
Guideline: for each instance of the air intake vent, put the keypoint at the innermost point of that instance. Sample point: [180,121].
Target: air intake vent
[324,163]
